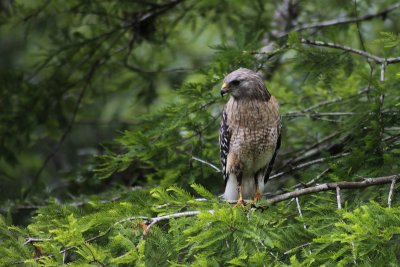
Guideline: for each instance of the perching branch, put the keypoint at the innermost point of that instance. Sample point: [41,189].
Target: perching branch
[366,182]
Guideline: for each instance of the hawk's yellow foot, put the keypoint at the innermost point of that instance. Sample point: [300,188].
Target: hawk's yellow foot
[257,196]
[240,201]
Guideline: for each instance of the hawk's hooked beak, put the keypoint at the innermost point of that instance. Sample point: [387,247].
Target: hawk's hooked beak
[224,89]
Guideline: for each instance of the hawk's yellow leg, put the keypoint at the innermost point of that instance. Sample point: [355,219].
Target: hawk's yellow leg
[257,196]
[240,200]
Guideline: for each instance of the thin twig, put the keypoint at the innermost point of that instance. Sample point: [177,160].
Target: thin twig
[338,198]
[301,246]
[312,181]
[317,115]
[174,215]
[309,151]
[170,204]
[328,102]
[383,68]
[207,163]
[307,164]
[391,191]
[299,210]
[30,240]
[37,11]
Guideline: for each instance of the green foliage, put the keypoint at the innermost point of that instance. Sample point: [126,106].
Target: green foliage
[146,74]
[108,234]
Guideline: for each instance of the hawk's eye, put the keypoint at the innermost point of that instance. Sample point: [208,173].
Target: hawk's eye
[235,82]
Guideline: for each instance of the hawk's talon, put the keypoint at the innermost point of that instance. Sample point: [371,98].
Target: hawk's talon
[240,202]
[257,197]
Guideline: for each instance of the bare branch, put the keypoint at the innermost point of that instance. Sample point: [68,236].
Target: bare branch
[317,115]
[332,186]
[342,47]
[174,215]
[305,112]
[331,101]
[391,191]
[309,151]
[312,180]
[307,164]
[338,198]
[383,13]
[30,240]
[207,163]
[375,58]
[299,210]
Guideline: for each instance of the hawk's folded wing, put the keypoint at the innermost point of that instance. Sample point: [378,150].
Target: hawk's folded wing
[224,140]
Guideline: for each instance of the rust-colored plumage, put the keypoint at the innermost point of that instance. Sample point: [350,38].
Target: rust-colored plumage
[249,135]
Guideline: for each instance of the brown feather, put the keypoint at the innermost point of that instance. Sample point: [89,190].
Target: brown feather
[250,130]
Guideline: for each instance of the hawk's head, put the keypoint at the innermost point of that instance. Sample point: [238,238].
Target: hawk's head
[245,84]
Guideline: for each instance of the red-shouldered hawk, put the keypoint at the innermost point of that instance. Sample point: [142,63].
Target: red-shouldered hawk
[249,135]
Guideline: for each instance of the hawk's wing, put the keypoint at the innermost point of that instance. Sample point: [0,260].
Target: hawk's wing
[224,142]
[271,163]
[278,145]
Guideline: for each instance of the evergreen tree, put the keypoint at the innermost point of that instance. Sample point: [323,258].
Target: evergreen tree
[109,133]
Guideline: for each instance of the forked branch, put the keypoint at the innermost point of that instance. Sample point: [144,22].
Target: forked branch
[375,58]
[366,182]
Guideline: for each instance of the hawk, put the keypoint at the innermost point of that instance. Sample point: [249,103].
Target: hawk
[250,135]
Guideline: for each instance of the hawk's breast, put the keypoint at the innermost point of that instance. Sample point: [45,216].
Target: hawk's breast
[254,128]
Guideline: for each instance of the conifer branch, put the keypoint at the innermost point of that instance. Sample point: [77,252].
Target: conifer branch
[149,222]
[301,246]
[375,58]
